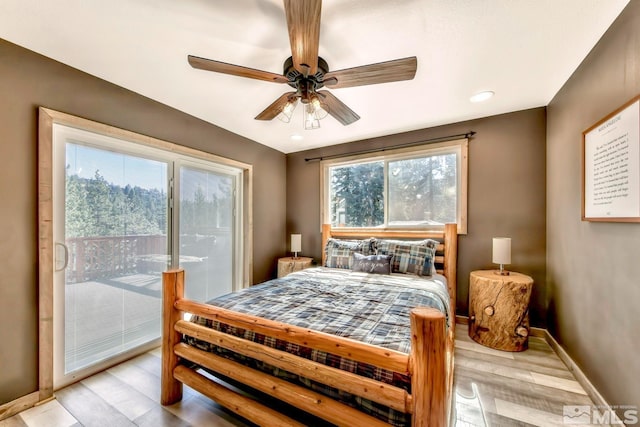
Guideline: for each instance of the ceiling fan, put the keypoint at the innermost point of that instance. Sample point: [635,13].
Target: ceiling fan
[306,72]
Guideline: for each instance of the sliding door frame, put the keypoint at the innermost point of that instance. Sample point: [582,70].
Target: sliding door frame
[46,244]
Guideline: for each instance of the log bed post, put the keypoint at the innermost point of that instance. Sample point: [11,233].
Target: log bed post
[429,367]
[173,290]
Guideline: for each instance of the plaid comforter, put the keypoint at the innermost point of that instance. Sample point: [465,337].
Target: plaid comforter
[366,307]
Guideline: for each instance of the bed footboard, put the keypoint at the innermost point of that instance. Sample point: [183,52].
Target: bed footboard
[429,365]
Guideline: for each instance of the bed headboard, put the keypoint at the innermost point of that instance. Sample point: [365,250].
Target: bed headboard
[446,253]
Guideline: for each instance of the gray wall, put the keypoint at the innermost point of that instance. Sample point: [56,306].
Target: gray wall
[28,80]
[594,268]
[506,195]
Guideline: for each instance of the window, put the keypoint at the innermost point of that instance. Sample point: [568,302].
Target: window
[402,189]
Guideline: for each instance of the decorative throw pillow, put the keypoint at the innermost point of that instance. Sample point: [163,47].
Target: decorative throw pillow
[339,253]
[409,257]
[376,264]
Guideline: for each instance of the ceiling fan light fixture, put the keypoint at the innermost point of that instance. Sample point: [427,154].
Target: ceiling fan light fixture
[310,117]
[287,110]
[321,109]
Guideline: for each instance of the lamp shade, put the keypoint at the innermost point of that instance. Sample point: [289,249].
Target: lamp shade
[296,243]
[501,250]
[287,110]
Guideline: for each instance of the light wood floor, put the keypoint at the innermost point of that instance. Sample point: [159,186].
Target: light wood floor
[493,388]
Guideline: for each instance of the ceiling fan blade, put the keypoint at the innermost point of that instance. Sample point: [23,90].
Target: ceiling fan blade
[274,109]
[382,72]
[303,21]
[235,70]
[337,108]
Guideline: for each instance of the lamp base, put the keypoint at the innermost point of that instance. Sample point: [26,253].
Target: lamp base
[502,271]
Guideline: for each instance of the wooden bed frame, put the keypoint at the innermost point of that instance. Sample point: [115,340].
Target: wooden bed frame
[430,363]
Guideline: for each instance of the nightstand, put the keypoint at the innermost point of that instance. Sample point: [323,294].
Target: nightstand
[499,309]
[290,264]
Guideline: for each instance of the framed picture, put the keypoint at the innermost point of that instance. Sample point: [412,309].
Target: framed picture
[611,166]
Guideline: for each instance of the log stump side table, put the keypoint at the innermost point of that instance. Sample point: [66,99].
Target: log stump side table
[499,309]
[290,264]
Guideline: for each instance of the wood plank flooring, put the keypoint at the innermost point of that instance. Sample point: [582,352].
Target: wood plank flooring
[493,388]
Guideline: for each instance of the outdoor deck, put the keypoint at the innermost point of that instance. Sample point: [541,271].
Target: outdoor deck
[98,311]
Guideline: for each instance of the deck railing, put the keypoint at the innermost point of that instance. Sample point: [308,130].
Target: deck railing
[93,258]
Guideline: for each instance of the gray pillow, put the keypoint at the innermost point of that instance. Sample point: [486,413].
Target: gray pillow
[376,264]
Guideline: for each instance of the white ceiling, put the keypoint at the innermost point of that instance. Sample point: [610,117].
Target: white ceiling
[524,50]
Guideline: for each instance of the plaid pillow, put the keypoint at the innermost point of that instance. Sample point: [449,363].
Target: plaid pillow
[409,257]
[339,253]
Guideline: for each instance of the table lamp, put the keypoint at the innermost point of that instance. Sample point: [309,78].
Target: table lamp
[296,244]
[502,253]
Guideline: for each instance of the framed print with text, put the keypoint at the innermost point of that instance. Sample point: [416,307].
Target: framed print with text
[611,166]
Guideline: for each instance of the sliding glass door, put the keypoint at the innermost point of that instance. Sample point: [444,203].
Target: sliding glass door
[123,213]
[206,220]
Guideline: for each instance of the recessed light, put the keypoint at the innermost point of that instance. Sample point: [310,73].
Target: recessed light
[481,96]
[296,137]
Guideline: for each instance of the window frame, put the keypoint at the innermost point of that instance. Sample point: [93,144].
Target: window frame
[459,146]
